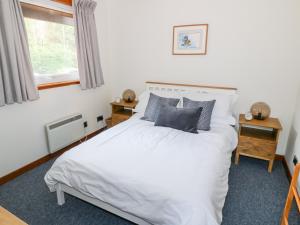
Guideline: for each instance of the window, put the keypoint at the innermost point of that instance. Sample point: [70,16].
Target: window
[52,46]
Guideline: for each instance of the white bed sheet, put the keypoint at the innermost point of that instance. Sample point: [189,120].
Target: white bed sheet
[162,175]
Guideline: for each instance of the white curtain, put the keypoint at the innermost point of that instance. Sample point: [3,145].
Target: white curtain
[16,73]
[90,71]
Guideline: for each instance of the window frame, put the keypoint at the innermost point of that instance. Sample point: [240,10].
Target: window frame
[66,2]
[51,85]
[58,84]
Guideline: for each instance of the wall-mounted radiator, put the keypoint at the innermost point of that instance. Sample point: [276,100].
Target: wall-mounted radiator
[64,132]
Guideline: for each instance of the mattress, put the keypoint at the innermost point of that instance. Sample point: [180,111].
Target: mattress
[162,175]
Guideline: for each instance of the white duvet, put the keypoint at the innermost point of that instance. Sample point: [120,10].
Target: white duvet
[162,175]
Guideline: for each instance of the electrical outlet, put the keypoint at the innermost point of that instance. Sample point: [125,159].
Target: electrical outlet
[295,160]
[85,124]
[99,118]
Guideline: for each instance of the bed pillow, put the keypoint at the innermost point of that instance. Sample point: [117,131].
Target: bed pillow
[143,99]
[224,106]
[185,119]
[142,102]
[207,109]
[154,104]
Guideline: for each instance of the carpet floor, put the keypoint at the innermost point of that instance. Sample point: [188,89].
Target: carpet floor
[255,197]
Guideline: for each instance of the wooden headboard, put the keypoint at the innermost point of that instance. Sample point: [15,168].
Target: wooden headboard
[181,88]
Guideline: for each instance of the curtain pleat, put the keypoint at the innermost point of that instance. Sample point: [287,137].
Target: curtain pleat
[16,73]
[89,65]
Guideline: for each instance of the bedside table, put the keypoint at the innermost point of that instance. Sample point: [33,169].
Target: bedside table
[121,111]
[258,139]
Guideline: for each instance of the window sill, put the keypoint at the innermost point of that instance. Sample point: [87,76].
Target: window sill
[58,84]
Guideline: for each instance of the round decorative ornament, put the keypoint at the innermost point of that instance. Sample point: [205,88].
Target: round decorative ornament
[248,116]
[129,95]
[260,110]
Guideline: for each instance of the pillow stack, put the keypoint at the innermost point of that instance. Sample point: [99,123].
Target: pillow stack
[195,115]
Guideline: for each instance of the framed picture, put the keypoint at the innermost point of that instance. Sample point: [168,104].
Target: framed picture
[190,39]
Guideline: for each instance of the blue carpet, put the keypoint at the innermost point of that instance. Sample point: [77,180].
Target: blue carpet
[255,197]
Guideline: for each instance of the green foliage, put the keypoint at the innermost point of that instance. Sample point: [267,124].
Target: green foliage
[52,46]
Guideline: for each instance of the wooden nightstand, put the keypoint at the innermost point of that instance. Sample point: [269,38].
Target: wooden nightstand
[258,139]
[121,111]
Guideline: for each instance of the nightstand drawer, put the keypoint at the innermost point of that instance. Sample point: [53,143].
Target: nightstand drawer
[257,147]
[118,118]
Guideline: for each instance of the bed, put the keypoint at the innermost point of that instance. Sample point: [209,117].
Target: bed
[151,175]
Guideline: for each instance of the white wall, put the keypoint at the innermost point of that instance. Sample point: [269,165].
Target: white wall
[293,147]
[252,45]
[22,134]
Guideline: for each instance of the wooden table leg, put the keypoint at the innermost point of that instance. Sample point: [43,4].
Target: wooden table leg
[270,165]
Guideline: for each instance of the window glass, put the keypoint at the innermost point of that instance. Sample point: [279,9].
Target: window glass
[52,47]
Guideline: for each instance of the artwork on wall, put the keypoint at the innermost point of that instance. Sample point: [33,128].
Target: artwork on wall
[190,39]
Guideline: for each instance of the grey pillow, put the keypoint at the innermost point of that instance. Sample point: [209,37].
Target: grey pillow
[184,119]
[154,104]
[208,106]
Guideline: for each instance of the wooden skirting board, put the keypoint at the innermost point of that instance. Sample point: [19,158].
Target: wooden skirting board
[44,159]
[285,166]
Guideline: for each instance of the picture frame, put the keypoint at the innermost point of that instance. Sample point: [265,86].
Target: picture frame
[190,39]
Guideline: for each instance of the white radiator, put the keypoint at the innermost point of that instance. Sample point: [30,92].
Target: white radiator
[64,132]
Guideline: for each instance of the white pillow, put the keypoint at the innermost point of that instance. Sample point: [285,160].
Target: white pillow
[223,111]
[142,104]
